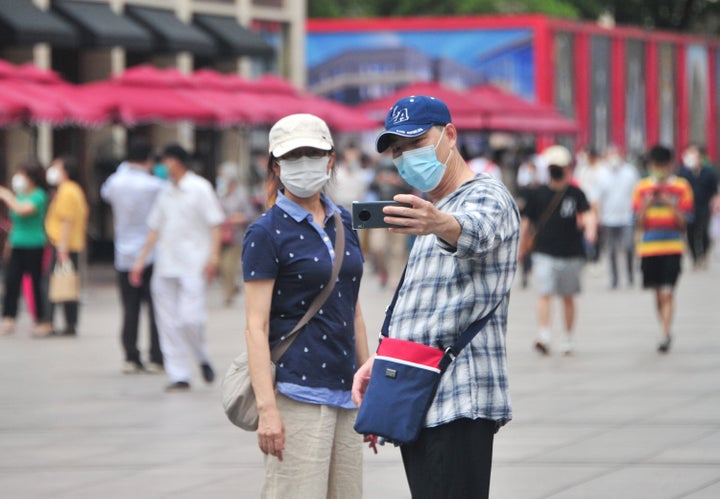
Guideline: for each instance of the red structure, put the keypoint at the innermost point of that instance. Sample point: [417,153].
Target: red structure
[623,85]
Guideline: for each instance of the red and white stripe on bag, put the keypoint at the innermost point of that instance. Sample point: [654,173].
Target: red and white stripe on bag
[409,353]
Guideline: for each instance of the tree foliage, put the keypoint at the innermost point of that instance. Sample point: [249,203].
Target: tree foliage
[685,15]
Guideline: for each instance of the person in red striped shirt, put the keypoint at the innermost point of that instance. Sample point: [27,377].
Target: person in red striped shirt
[662,203]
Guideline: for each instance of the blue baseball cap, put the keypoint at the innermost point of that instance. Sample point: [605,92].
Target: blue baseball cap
[411,117]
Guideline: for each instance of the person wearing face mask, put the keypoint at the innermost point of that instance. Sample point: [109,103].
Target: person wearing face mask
[66,227]
[27,202]
[184,231]
[662,203]
[563,220]
[704,183]
[460,269]
[615,186]
[305,428]
[239,212]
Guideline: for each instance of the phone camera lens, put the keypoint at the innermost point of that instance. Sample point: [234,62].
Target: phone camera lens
[364,215]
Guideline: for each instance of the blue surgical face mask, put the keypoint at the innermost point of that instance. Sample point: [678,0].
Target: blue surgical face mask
[420,167]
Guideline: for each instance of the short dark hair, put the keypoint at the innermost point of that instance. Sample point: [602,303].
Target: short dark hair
[35,172]
[176,151]
[660,155]
[71,167]
[139,151]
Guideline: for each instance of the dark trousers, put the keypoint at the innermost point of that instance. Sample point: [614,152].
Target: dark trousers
[451,461]
[132,299]
[698,236]
[23,261]
[71,308]
[619,239]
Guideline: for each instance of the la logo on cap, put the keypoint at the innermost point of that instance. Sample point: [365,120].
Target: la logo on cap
[399,115]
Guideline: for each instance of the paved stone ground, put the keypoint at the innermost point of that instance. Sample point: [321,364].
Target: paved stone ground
[616,420]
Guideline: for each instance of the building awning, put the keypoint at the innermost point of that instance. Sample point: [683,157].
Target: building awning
[23,23]
[170,33]
[99,26]
[232,38]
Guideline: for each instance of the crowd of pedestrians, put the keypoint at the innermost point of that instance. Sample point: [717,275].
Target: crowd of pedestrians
[605,204]
[175,232]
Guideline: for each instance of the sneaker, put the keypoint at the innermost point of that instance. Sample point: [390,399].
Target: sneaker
[566,347]
[154,368]
[132,367]
[542,347]
[178,386]
[207,372]
[664,345]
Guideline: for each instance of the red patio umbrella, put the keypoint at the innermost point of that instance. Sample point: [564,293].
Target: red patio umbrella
[147,94]
[484,108]
[40,95]
[456,101]
[510,112]
[132,105]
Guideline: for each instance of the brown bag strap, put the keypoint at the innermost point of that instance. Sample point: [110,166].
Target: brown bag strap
[320,299]
[550,209]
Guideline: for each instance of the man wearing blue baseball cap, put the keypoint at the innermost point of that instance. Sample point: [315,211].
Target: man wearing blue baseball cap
[460,268]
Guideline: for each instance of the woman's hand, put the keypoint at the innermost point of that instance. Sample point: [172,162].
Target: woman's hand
[271,433]
[361,380]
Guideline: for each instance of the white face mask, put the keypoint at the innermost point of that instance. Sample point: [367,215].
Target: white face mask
[19,183]
[304,176]
[691,160]
[52,175]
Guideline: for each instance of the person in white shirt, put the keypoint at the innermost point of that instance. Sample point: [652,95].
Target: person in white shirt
[131,192]
[615,190]
[587,174]
[185,229]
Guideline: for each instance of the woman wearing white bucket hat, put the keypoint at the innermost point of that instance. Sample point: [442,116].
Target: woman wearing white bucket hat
[306,420]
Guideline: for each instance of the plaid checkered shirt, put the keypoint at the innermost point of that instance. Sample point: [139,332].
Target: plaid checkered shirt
[446,289]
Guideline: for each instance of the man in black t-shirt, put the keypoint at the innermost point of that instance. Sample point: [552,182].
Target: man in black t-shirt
[560,215]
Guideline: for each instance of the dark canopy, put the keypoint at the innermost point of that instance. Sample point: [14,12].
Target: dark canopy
[170,33]
[23,23]
[232,38]
[99,26]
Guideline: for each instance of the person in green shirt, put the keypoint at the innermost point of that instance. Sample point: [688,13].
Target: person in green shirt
[27,203]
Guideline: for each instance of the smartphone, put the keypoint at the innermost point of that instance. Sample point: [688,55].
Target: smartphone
[369,214]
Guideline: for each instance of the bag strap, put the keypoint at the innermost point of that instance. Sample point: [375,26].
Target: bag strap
[465,338]
[454,350]
[550,209]
[320,299]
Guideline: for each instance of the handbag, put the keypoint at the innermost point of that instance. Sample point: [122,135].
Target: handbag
[237,391]
[64,283]
[403,381]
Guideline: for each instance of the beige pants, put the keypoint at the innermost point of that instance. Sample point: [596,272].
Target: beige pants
[322,456]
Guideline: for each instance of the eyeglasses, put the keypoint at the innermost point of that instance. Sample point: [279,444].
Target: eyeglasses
[305,152]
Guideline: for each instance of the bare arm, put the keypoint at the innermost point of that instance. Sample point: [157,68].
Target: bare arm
[136,272]
[271,430]
[63,252]
[525,225]
[361,345]
[211,267]
[590,225]
[22,208]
